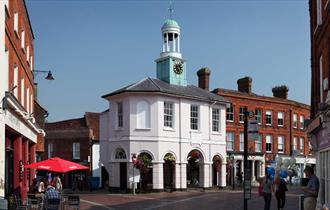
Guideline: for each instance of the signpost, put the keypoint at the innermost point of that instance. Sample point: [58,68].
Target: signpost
[250,132]
[253,132]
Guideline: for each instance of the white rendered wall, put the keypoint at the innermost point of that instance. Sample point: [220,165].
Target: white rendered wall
[158,140]
[97,172]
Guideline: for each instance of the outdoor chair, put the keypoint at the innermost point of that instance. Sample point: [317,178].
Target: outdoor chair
[52,204]
[19,204]
[73,202]
[33,203]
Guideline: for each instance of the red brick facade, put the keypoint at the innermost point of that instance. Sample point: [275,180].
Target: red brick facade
[63,134]
[252,102]
[21,137]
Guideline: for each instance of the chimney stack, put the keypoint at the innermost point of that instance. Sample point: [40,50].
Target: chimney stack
[245,85]
[280,91]
[204,78]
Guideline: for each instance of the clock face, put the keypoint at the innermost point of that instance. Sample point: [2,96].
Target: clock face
[178,67]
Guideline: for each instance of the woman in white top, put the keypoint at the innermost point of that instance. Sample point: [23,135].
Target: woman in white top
[41,187]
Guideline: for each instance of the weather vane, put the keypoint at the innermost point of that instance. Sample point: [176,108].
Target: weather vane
[170,9]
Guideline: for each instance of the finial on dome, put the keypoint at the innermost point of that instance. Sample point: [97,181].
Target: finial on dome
[171,9]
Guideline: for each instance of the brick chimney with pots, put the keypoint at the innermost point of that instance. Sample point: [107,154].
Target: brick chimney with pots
[204,78]
[280,91]
[245,85]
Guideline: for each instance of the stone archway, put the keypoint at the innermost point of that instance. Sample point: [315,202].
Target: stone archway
[195,169]
[144,164]
[169,171]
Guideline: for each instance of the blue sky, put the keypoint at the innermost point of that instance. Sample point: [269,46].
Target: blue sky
[95,47]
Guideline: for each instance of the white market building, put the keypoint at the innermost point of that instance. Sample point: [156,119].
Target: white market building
[178,131]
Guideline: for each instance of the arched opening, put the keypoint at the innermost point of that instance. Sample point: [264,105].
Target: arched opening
[195,169]
[216,170]
[169,171]
[145,166]
[121,155]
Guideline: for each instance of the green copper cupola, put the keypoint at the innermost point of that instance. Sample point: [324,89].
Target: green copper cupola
[171,68]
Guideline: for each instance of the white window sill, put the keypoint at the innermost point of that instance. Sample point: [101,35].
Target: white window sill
[268,124]
[280,126]
[230,121]
[169,129]
[241,122]
[142,129]
[280,152]
[216,133]
[268,151]
[194,131]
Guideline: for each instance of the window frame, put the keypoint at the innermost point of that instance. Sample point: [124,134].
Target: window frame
[267,143]
[241,141]
[168,112]
[271,117]
[216,120]
[242,109]
[76,151]
[302,145]
[258,117]
[258,142]
[231,140]
[50,150]
[278,119]
[120,115]
[295,120]
[295,143]
[194,120]
[230,112]
[302,122]
[280,137]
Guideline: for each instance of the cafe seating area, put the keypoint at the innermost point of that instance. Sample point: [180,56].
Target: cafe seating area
[67,200]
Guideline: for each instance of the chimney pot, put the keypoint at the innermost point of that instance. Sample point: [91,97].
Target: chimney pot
[280,91]
[204,78]
[245,85]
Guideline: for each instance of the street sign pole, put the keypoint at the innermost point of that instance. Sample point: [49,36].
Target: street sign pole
[246,113]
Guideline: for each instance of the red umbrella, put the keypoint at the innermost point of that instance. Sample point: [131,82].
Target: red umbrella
[56,164]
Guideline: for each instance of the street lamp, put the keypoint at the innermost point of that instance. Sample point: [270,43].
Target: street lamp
[49,73]
[133,162]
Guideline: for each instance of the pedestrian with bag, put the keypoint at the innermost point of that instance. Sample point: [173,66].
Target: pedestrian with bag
[280,190]
[267,186]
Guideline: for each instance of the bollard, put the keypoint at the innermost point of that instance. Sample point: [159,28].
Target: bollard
[301,202]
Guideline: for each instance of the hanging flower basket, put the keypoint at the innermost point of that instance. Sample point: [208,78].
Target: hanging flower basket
[143,162]
[217,165]
[195,154]
[169,158]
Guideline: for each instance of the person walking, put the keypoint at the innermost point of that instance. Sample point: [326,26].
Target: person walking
[311,190]
[280,190]
[267,191]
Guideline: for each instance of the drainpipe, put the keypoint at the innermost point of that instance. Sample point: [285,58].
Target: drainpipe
[290,111]
[180,142]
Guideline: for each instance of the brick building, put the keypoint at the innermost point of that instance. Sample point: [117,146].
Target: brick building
[319,127]
[281,126]
[75,140]
[19,129]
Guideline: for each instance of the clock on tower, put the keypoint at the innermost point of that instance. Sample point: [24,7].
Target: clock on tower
[171,68]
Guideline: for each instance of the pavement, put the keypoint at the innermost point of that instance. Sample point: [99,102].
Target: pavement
[190,200]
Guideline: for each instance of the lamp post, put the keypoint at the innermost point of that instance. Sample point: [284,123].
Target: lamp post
[133,162]
[49,73]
